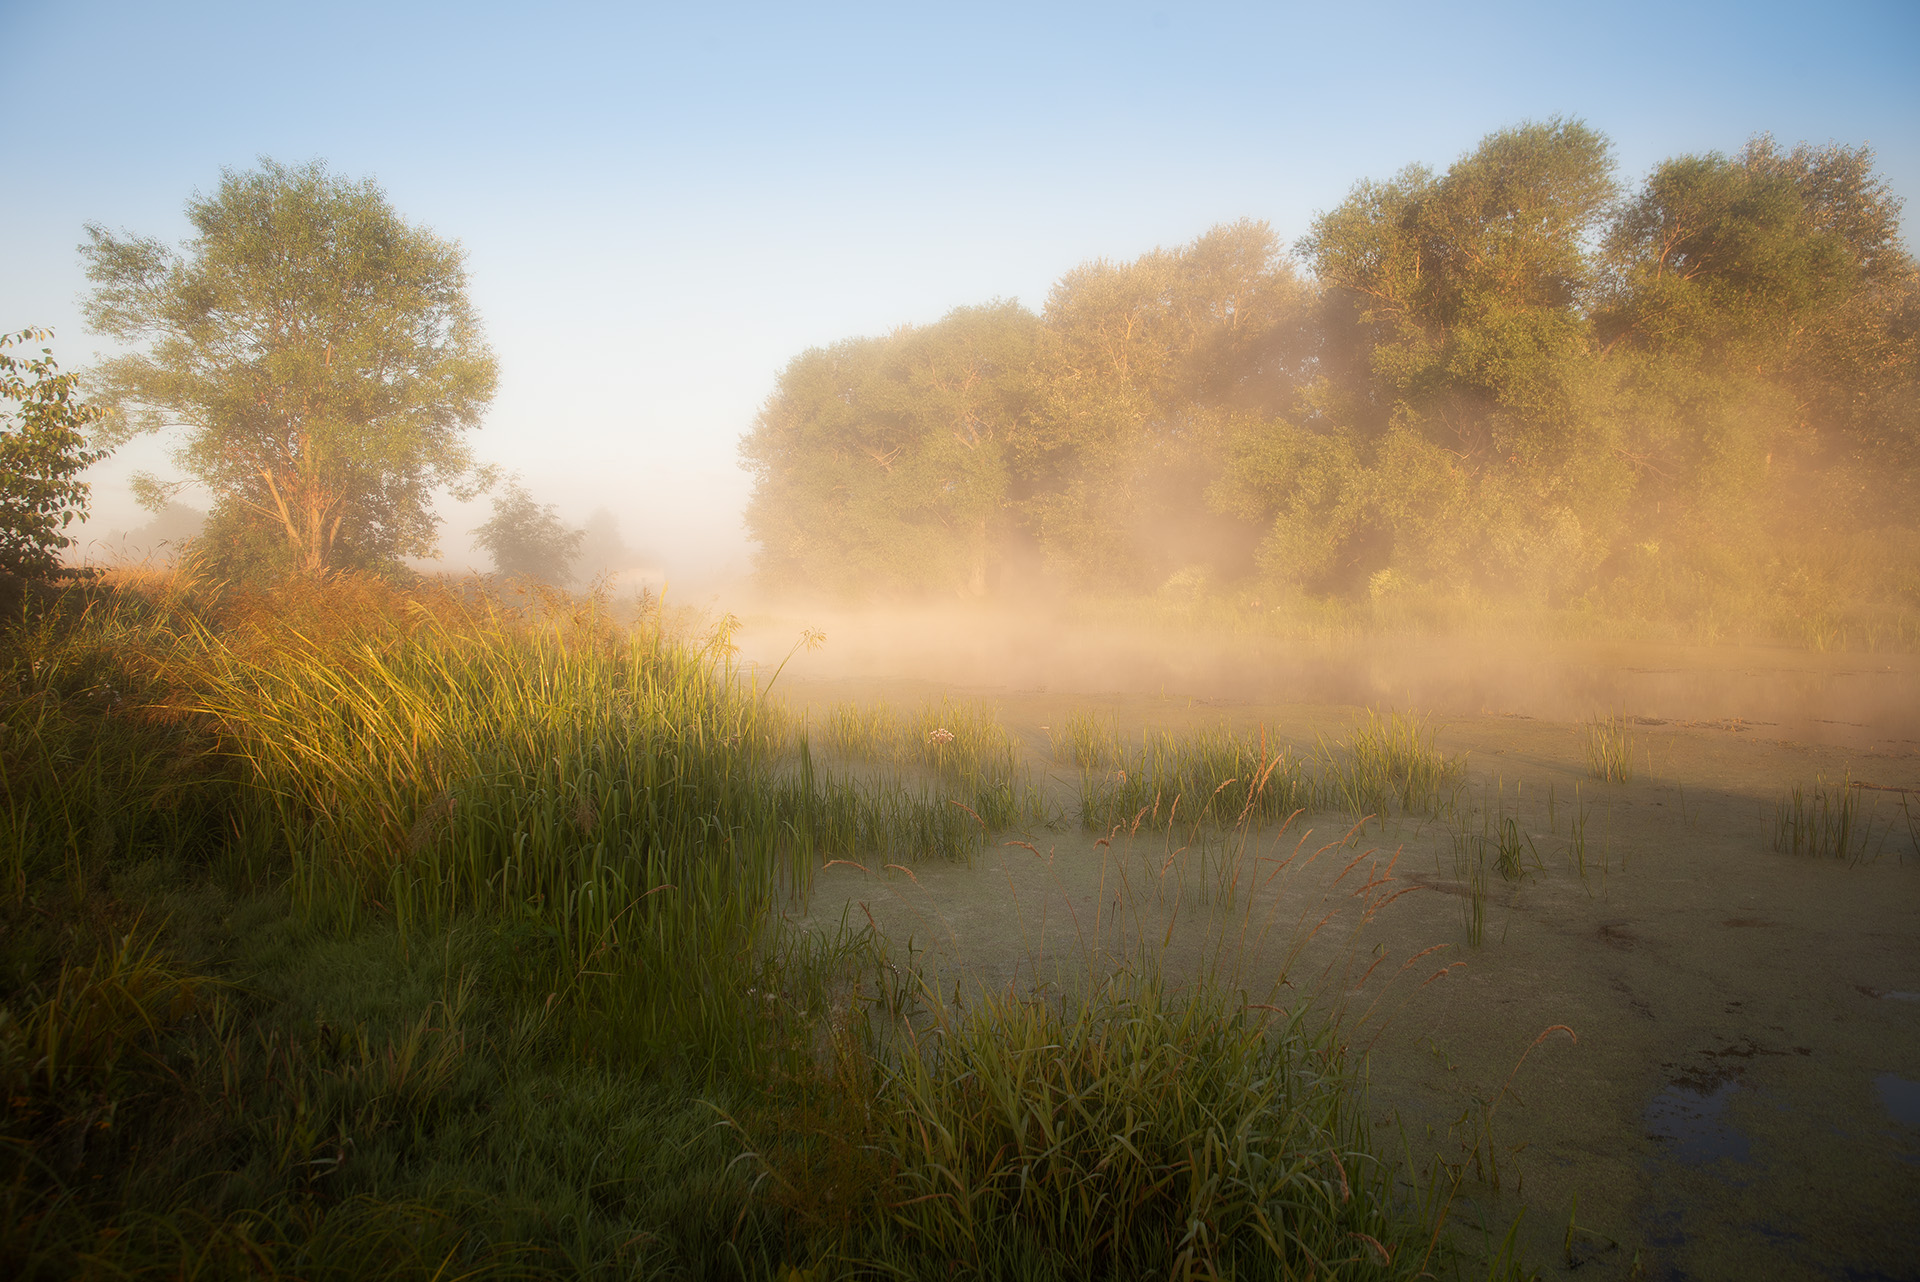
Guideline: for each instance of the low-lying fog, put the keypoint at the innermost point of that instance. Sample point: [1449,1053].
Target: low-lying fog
[1866,701]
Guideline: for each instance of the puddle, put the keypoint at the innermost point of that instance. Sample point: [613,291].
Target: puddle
[1901,1097]
[1687,1119]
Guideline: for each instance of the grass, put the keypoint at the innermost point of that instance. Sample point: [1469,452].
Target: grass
[1490,837]
[1222,778]
[1609,749]
[1826,821]
[351,931]
[1087,741]
[955,754]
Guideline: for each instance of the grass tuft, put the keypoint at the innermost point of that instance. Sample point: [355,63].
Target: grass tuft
[1609,749]
[1826,821]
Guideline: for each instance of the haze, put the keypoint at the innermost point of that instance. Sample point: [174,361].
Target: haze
[662,208]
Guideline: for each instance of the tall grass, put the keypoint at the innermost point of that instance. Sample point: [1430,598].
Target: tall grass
[1086,740]
[1222,778]
[1826,821]
[475,929]
[1138,1136]
[1609,749]
[954,753]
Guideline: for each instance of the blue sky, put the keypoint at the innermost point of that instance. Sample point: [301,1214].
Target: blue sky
[662,204]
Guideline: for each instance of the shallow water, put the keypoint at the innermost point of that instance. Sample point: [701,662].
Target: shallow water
[1860,700]
[1741,1097]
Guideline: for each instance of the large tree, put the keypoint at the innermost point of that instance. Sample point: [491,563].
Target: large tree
[882,463]
[317,354]
[1453,433]
[1146,370]
[1766,318]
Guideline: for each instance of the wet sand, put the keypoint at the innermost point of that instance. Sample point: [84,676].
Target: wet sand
[1743,1097]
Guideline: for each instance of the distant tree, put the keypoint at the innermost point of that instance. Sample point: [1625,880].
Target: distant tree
[1460,377]
[602,550]
[1502,378]
[43,450]
[1145,372]
[1764,305]
[528,540]
[318,354]
[881,464]
[171,530]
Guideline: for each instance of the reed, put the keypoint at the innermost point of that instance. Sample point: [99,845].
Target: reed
[1609,749]
[507,887]
[1220,778]
[1826,821]
[1390,764]
[1086,740]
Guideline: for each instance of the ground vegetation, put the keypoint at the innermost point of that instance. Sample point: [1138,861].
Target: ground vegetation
[350,930]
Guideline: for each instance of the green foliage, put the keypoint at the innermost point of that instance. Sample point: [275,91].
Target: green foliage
[349,931]
[1514,380]
[317,353]
[43,450]
[882,463]
[1134,1135]
[1222,779]
[1609,749]
[528,540]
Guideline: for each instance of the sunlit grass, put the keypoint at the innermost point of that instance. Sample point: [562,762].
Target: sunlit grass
[473,928]
[1221,777]
[1609,749]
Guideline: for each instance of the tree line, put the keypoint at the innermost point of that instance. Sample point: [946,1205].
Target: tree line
[1516,376]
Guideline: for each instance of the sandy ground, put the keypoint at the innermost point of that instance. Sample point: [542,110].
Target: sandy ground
[1740,1093]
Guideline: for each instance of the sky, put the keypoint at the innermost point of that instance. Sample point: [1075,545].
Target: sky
[663,205]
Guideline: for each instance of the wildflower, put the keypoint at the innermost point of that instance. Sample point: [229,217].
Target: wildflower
[940,738]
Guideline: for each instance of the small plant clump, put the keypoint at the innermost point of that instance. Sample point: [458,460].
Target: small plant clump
[1826,821]
[1086,741]
[1609,749]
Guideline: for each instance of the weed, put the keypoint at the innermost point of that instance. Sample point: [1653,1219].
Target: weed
[1086,741]
[1609,749]
[1220,778]
[1826,821]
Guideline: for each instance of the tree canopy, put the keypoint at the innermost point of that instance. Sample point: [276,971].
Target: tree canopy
[317,354]
[1516,376]
[528,540]
[43,450]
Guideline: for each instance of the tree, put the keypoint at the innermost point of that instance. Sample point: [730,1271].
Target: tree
[1146,371]
[43,450]
[1460,377]
[1778,279]
[882,463]
[528,540]
[318,353]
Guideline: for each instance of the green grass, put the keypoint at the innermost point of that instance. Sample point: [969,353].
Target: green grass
[1086,740]
[1826,821]
[1609,749]
[355,932]
[1222,778]
[953,754]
